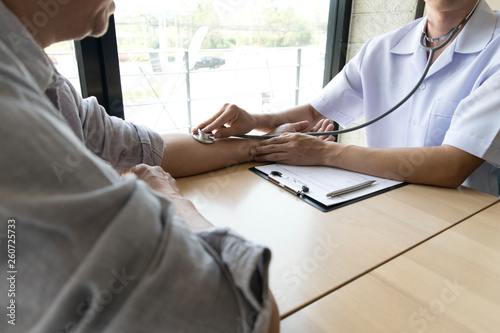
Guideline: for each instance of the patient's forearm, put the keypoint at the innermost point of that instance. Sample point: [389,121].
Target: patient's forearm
[184,156]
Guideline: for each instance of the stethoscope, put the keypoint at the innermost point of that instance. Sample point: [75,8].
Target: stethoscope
[207,138]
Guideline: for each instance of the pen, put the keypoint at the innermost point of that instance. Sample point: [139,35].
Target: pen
[274,179]
[350,189]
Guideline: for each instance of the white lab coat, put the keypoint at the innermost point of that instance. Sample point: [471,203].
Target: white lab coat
[458,104]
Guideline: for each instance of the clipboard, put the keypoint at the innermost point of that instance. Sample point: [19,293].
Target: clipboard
[312,198]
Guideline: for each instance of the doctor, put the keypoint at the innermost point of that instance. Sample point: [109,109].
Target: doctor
[447,134]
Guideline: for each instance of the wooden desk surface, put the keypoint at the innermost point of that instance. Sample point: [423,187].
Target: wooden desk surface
[451,283]
[314,252]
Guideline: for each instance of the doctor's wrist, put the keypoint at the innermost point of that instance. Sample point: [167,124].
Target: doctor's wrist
[333,154]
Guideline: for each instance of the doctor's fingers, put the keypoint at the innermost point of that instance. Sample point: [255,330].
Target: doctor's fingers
[328,128]
[319,125]
[218,121]
[287,142]
[230,120]
[301,149]
[324,125]
[286,155]
[274,157]
[293,139]
[210,121]
[297,127]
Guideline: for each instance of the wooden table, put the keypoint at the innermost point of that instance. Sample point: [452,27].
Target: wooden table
[451,283]
[315,253]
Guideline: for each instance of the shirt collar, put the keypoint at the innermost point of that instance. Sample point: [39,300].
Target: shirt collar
[19,41]
[474,37]
[478,32]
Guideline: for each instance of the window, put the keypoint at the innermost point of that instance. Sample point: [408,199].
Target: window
[181,61]
[63,57]
[494,4]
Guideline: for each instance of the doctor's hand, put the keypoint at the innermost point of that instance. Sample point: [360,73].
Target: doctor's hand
[298,127]
[324,125]
[230,120]
[294,149]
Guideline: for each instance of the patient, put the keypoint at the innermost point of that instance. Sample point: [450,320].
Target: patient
[95,252]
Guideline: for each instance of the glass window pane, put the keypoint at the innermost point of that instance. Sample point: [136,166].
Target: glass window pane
[180,61]
[494,4]
[63,56]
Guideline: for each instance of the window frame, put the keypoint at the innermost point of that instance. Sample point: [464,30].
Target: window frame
[99,70]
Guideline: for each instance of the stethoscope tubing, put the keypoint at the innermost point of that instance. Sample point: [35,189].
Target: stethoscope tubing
[432,50]
[374,120]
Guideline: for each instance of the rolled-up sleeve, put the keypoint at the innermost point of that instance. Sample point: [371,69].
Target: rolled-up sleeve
[120,143]
[248,266]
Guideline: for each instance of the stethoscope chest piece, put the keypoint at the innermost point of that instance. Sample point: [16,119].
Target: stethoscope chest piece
[205,138]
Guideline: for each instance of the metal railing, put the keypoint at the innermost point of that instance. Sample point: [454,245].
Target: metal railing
[158,87]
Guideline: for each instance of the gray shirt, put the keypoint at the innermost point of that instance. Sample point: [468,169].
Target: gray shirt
[83,250]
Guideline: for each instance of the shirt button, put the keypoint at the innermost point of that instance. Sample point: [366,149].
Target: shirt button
[422,86]
[414,121]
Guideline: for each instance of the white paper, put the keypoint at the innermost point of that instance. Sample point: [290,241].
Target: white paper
[322,180]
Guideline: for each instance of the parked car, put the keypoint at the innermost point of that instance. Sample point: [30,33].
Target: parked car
[209,62]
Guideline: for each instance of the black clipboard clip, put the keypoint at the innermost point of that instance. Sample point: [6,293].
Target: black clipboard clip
[275,176]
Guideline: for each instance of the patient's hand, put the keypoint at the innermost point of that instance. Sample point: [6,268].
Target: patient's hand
[162,182]
[157,179]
